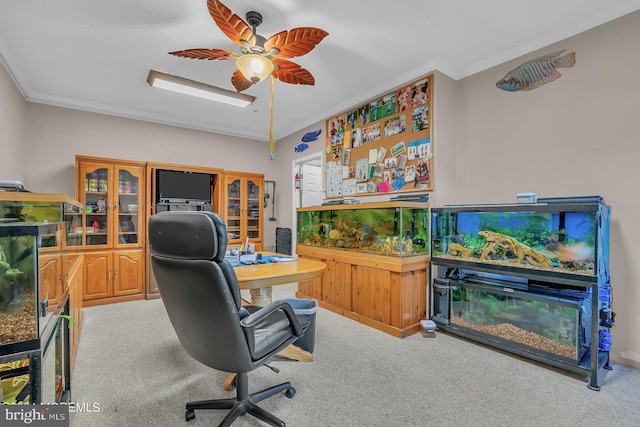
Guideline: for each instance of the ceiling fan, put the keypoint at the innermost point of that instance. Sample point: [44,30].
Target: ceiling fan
[259,57]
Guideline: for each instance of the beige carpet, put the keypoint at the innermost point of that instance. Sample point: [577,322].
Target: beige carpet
[131,364]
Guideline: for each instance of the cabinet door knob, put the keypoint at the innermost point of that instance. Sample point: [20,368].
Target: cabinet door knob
[115,273]
[108,274]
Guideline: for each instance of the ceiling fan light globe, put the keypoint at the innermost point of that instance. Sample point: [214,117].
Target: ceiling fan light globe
[254,67]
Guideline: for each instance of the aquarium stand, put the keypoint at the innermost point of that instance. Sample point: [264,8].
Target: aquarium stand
[529,279]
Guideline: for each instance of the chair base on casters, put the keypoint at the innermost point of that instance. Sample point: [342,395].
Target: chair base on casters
[243,403]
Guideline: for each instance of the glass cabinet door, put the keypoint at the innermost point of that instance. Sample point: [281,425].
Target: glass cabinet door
[97,204]
[128,205]
[253,210]
[234,209]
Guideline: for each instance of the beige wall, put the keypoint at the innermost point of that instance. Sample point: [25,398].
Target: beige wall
[575,136]
[58,134]
[13,130]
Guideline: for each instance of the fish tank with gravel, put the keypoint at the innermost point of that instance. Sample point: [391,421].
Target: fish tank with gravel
[396,229]
[536,322]
[21,313]
[563,237]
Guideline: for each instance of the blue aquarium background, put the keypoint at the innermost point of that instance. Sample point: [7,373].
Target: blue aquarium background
[553,241]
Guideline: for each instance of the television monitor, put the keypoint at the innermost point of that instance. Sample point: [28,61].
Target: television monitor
[179,186]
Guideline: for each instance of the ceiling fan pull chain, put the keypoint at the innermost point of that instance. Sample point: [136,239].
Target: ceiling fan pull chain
[271,141]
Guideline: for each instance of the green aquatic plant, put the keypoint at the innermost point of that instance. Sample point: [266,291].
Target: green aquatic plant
[474,242]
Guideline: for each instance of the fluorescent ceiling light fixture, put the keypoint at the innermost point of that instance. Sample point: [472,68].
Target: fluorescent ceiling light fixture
[201,90]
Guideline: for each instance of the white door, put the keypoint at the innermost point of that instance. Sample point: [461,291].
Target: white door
[311,185]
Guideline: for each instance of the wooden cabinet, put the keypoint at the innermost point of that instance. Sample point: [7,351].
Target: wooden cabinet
[73,277]
[115,276]
[113,193]
[244,198]
[50,271]
[383,292]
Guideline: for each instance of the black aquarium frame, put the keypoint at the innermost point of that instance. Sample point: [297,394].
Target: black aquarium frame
[442,270]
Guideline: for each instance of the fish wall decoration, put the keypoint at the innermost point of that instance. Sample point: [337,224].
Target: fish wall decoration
[533,74]
[301,147]
[311,136]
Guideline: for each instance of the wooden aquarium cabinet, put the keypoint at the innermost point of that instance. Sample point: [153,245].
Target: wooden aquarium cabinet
[377,262]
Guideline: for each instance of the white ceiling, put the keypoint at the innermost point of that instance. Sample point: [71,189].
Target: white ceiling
[95,55]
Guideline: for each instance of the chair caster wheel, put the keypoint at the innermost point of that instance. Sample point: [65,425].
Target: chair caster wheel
[290,392]
[189,414]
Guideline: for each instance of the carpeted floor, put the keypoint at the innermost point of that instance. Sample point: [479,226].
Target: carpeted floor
[131,365]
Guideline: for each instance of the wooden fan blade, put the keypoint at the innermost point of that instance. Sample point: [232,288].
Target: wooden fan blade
[231,24]
[290,72]
[296,42]
[240,82]
[207,54]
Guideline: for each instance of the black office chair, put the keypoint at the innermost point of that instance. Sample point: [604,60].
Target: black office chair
[201,294]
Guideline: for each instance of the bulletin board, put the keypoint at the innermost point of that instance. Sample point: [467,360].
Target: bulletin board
[382,146]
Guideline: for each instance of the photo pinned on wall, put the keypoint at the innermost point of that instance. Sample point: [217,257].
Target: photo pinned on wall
[361,187]
[337,139]
[371,187]
[337,125]
[346,157]
[363,115]
[424,147]
[420,93]
[352,172]
[410,173]
[402,161]
[356,138]
[389,103]
[381,153]
[403,99]
[371,133]
[349,187]
[386,176]
[398,149]
[337,152]
[373,155]
[420,119]
[390,163]
[372,172]
[379,169]
[422,173]
[362,169]
[394,126]
[347,139]
[375,110]
[352,118]
[412,150]
[397,179]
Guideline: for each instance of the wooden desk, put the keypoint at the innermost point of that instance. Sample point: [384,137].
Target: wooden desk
[260,278]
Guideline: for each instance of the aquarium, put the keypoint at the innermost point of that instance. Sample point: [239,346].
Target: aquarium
[397,229]
[22,314]
[566,236]
[35,207]
[546,320]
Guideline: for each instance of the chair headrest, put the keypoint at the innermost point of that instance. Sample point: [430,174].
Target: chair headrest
[188,235]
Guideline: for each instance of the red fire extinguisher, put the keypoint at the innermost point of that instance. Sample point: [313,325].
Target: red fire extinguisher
[297,181]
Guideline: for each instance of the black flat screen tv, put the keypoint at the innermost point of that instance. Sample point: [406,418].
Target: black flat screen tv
[178,186]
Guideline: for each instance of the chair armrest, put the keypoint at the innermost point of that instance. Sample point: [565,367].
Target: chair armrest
[266,328]
[251,320]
